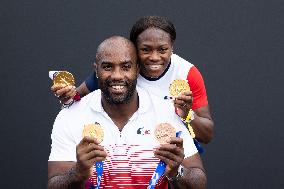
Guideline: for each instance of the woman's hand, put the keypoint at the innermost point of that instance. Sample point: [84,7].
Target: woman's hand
[63,92]
[183,103]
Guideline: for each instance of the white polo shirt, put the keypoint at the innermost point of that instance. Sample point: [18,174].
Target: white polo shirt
[179,68]
[130,162]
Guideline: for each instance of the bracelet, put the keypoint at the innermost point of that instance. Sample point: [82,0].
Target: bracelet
[178,176]
[67,105]
[77,96]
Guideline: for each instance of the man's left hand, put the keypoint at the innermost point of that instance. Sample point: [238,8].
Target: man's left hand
[172,154]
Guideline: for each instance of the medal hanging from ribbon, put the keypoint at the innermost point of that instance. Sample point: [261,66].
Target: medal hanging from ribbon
[157,174]
[187,121]
[176,87]
[95,130]
[161,167]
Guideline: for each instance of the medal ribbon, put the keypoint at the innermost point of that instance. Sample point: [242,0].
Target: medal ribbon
[161,167]
[99,170]
[198,146]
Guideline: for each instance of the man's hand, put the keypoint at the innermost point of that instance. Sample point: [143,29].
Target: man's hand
[183,102]
[63,92]
[172,154]
[88,151]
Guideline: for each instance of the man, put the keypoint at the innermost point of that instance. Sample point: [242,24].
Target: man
[128,117]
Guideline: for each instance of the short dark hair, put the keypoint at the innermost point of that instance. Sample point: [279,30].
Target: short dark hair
[152,22]
[114,42]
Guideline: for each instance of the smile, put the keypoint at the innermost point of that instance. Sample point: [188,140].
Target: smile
[118,88]
[155,66]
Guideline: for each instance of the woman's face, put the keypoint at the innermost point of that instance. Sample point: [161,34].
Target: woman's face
[154,51]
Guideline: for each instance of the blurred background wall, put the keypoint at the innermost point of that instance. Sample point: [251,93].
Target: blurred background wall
[236,44]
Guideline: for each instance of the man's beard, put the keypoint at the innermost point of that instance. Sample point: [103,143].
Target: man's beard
[123,98]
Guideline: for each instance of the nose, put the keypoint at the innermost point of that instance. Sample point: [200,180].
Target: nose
[155,56]
[117,74]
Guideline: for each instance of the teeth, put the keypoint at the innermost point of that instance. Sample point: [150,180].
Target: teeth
[154,66]
[117,87]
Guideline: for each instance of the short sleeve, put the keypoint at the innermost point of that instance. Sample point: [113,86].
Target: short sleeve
[63,146]
[197,87]
[92,82]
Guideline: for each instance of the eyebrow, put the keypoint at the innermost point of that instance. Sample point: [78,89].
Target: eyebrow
[127,62]
[105,62]
[148,45]
[123,62]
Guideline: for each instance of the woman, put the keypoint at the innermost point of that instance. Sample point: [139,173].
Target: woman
[154,37]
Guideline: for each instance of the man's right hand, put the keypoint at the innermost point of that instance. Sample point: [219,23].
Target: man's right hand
[63,92]
[88,152]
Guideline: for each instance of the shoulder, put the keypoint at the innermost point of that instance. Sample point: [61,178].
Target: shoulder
[80,106]
[179,60]
[180,66]
[69,120]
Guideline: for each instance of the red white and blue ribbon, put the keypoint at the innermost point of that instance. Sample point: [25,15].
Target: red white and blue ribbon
[99,170]
[161,167]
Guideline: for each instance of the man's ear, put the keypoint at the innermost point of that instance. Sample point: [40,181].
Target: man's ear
[96,69]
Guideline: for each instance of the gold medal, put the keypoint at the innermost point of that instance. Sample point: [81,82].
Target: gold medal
[94,130]
[63,77]
[163,132]
[178,86]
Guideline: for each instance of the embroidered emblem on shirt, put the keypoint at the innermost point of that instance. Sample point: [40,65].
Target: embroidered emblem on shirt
[142,131]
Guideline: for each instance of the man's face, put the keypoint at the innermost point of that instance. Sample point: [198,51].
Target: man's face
[117,72]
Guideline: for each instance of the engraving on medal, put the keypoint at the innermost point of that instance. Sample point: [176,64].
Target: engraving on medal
[163,132]
[94,130]
[63,77]
[177,86]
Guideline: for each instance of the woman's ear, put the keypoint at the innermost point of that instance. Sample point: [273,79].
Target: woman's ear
[138,68]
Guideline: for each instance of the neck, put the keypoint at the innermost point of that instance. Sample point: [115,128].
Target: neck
[121,113]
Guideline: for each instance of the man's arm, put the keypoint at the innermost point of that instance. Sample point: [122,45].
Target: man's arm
[69,175]
[172,154]
[63,175]
[193,176]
